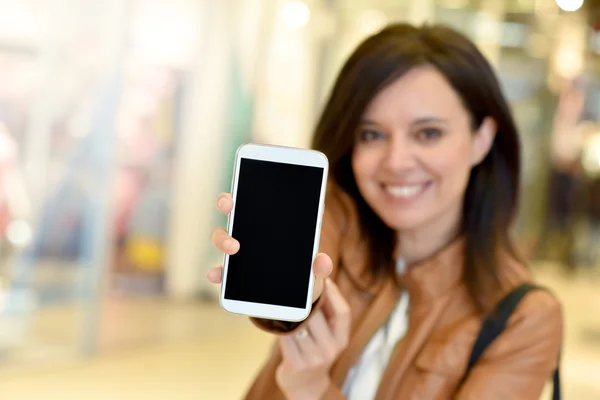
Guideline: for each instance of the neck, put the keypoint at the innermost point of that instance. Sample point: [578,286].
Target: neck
[420,244]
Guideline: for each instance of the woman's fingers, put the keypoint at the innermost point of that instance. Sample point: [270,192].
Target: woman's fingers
[313,345]
[322,268]
[224,203]
[223,242]
[291,352]
[221,239]
[337,309]
[311,353]
[321,332]
[215,275]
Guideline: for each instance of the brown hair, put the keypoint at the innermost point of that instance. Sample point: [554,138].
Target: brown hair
[491,197]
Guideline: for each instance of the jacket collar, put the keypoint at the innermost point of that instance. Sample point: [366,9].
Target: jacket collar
[429,280]
[425,281]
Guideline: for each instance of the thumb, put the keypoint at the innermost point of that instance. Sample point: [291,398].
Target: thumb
[323,266]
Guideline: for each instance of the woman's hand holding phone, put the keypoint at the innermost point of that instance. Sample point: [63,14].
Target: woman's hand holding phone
[307,355]
[322,266]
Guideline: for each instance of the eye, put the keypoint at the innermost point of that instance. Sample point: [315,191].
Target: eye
[369,135]
[429,134]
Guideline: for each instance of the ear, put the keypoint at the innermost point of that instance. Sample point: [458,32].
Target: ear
[483,140]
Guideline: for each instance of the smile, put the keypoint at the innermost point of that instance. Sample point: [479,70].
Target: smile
[405,192]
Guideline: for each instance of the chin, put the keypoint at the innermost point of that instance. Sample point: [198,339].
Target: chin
[402,222]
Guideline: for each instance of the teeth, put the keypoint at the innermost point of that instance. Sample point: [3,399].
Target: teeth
[403,191]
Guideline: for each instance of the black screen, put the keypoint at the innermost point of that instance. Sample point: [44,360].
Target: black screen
[275,221]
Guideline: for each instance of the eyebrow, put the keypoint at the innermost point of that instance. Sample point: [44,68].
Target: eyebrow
[428,120]
[418,121]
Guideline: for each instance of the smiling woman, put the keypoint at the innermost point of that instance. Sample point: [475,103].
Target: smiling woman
[434,107]
[414,153]
[424,167]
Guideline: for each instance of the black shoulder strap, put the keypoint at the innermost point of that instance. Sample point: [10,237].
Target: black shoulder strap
[495,323]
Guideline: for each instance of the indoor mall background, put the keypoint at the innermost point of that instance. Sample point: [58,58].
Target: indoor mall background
[119,121]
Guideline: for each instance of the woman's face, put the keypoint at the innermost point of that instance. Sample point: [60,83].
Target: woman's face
[415,149]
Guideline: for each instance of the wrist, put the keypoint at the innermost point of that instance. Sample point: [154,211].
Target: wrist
[313,391]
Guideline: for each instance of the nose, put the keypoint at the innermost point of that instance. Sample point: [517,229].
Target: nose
[400,155]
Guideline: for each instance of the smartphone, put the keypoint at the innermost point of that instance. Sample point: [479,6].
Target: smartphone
[278,202]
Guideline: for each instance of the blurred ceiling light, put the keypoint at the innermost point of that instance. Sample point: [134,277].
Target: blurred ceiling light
[569,5]
[568,62]
[371,21]
[454,4]
[19,233]
[296,14]
[568,56]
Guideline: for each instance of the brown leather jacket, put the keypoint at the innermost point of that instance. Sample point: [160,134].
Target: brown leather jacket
[430,361]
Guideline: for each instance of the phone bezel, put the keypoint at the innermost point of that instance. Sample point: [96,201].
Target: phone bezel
[287,155]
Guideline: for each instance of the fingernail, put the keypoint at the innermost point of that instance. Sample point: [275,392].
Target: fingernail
[227,244]
[220,202]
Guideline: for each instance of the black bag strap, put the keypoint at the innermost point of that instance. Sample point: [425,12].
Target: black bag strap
[495,324]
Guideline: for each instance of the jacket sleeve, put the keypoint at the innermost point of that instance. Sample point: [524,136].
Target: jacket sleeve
[520,362]
[334,219]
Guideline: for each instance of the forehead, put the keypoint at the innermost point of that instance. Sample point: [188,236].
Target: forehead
[422,91]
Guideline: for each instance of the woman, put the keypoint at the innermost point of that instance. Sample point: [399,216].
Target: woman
[424,158]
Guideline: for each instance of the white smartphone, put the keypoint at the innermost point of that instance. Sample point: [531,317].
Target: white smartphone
[278,202]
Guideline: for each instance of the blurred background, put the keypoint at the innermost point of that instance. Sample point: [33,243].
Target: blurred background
[119,121]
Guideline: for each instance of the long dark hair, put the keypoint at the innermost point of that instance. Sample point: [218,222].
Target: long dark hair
[491,197]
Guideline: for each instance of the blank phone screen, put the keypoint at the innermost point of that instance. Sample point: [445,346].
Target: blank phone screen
[275,221]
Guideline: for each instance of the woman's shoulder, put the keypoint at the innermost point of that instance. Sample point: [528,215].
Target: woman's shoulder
[534,331]
[542,306]
[539,304]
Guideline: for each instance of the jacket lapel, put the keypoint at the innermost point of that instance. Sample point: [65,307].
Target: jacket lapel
[374,317]
[421,323]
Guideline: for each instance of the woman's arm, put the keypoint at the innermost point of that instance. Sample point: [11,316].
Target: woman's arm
[522,360]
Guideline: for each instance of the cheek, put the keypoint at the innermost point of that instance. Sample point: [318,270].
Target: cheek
[364,164]
[452,166]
